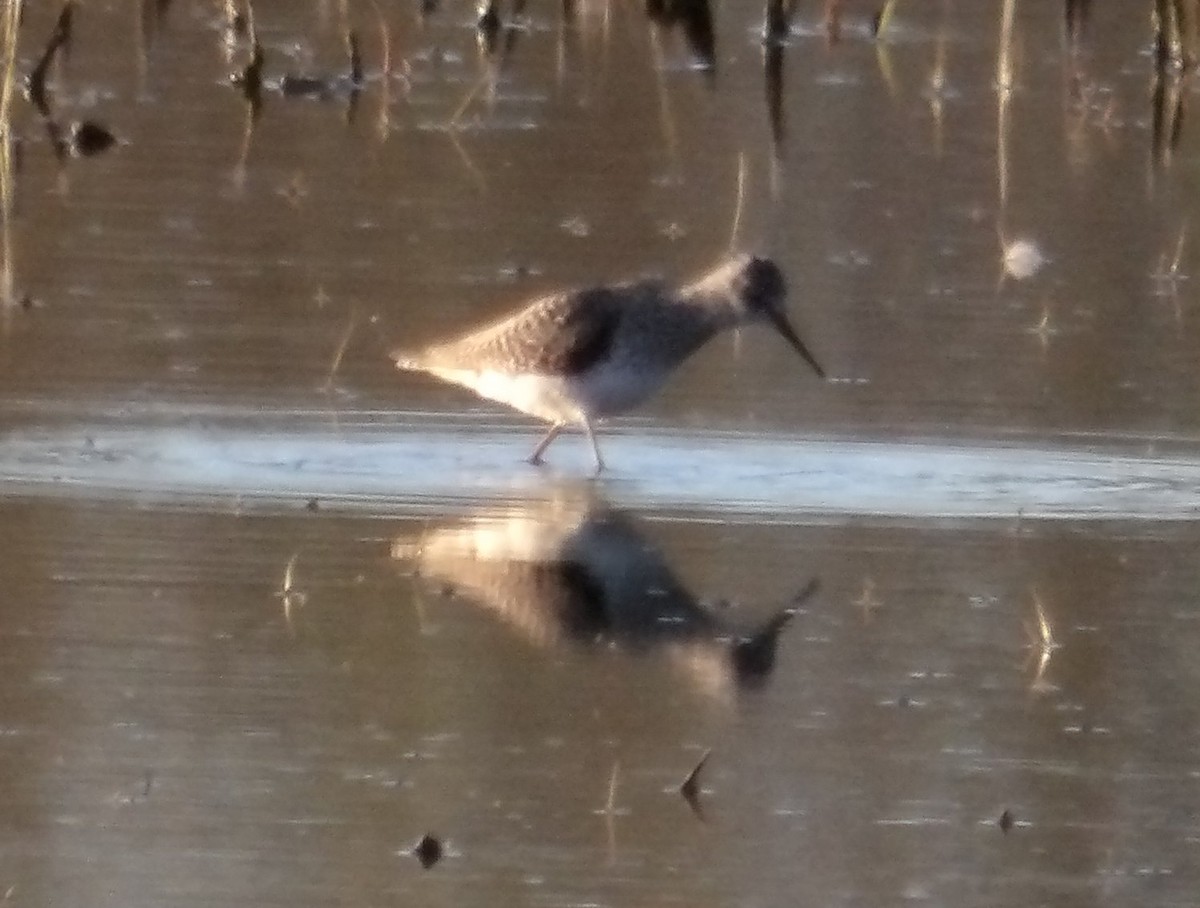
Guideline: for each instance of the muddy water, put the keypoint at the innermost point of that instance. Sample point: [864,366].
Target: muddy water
[266,621]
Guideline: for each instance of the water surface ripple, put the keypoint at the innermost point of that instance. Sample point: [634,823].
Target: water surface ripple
[423,461]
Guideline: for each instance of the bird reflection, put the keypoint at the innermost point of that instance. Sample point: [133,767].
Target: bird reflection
[581,571]
[695,18]
[773,80]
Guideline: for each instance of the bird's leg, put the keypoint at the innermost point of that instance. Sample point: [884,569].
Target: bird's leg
[591,434]
[536,457]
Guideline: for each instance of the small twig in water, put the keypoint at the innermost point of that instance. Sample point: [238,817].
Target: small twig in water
[1178,259]
[610,805]
[741,198]
[288,592]
[36,82]
[690,789]
[1045,631]
[479,83]
[884,19]
[341,350]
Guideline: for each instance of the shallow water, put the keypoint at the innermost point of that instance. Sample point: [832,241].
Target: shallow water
[389,463]
[177,729]
[271,614]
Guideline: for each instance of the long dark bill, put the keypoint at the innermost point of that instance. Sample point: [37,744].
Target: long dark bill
[784,327]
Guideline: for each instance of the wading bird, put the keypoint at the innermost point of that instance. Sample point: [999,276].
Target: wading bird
[578,356]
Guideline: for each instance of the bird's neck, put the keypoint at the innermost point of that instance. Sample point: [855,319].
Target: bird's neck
[713,294]
[687,318]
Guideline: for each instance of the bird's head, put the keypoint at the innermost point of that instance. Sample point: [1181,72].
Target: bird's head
[759,292]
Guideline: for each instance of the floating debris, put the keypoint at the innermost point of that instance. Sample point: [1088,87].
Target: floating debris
[428,851]
[1006,821]
[690,789]
[867,600]
[316,89]
[576,226]
[86,138]
[1023,259]
[327,87]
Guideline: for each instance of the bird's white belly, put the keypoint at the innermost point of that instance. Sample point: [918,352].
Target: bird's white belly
[601,391]
[612,388]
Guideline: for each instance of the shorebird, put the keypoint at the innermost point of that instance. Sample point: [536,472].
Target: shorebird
[577,356]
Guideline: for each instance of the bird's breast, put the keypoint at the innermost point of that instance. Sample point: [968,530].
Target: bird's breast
[614,386]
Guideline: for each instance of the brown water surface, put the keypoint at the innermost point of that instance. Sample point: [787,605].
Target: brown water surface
[270,615]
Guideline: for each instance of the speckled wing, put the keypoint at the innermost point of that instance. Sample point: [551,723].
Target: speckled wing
[562,334]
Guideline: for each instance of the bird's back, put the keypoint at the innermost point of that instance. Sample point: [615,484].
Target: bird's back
[564,334]
[579,354]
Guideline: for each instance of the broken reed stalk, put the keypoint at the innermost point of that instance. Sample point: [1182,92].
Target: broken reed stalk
[1179,32]
[1176,33]
[735,228]
[1164,28]
[885,17]
[383,122]
[1004,85]
[353,58]
[385,40]
[1004,64]
[8,36]
[610,804]
[251,31]
[664,99]
[341,350]
[1187,14]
